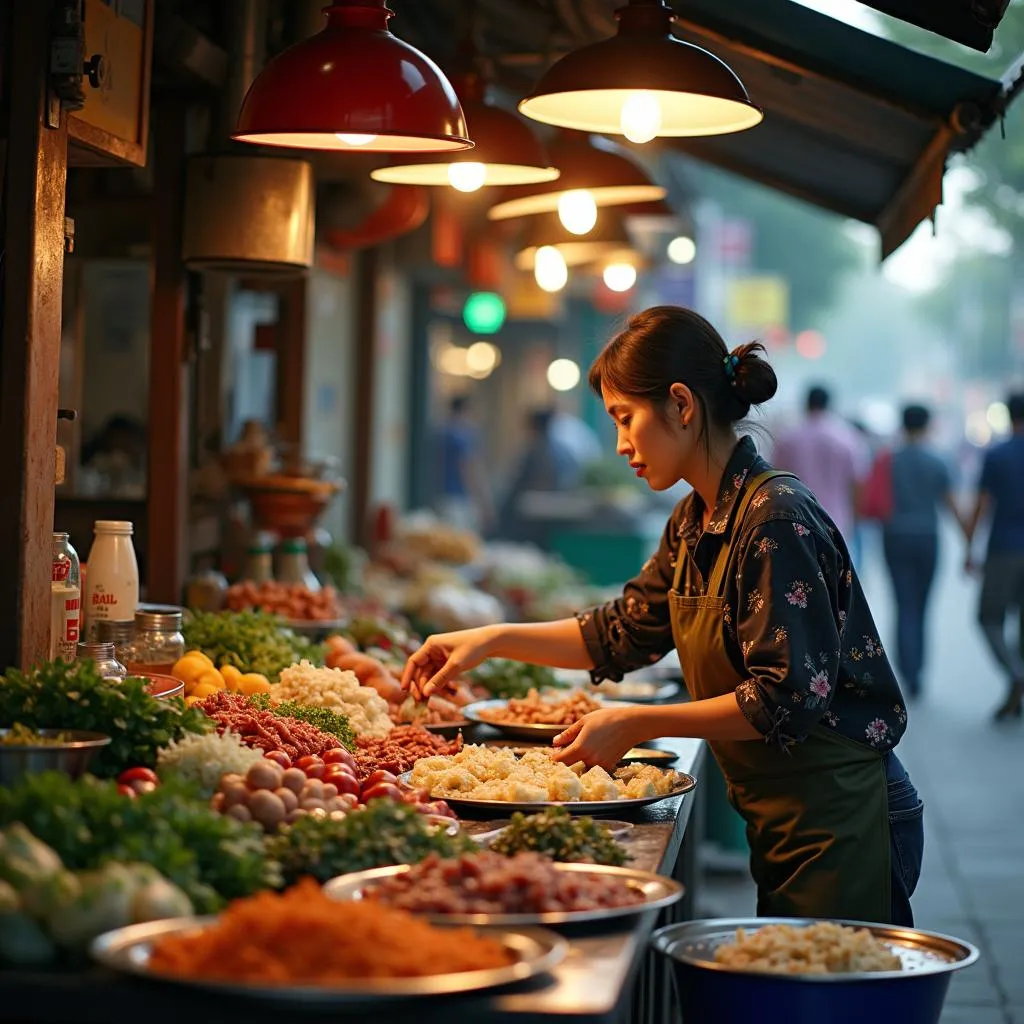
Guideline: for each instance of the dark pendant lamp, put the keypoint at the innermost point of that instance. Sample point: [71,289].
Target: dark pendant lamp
[506,151]
[642,83]
[608,236]
[353,87]
[609,178]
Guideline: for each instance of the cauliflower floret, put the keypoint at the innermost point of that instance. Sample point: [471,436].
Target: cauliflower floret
[597,784]
[563,785]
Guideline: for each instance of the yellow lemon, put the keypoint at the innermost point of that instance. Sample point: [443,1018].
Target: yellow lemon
[253,682]
[203,690]
[232,677]
[189,669]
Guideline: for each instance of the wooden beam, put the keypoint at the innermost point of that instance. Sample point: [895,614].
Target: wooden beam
[167,462]
[291,360]
[33,237]
[367,266]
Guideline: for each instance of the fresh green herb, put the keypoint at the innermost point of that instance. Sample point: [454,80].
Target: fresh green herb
[325,719]
[555,833]
[57,695]
[212,857]
[384,833]
[251,641]
[503,678]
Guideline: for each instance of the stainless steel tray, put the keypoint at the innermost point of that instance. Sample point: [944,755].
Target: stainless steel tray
[650,755]
[128,949]
[616,829]
[921,952]
[535,732]
[595,808]
[657,891]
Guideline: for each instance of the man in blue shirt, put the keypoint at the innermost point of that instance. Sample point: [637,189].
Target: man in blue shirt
[465,500]
[1001,497]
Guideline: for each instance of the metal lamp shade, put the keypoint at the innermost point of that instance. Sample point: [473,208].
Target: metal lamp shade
[606,239]
[697,93]
[504,145]
[353,87]
[610,177]
[249,213]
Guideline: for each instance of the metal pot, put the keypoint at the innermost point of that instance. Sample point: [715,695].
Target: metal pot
[709,991]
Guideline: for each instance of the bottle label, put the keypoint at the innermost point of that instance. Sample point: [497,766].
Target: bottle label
[61,570]
[65,621]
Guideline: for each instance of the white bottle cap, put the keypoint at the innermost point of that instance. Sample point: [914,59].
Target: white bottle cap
[118,527]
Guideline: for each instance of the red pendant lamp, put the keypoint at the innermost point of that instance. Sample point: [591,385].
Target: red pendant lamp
[643,83]
[353,87]
[506,151]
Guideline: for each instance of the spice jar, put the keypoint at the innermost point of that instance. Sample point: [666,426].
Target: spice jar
[103,654]
[116,632]
[158,642]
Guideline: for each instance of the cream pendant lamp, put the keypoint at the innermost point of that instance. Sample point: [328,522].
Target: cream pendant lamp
[608,238]
[591,178]
[643,83]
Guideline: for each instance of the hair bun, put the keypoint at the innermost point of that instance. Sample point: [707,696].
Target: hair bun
[755,380]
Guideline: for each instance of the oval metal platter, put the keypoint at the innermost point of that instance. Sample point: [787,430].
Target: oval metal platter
[657,892]
[537,731]
[535,950]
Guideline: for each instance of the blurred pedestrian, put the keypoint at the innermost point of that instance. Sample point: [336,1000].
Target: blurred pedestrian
[921,485]
[1000,499]
[465,497]
[829,456]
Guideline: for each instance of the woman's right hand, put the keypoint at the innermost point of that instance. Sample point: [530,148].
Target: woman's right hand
[434,667]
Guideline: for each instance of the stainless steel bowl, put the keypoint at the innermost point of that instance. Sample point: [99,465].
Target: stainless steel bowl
[70,757]
[709,991]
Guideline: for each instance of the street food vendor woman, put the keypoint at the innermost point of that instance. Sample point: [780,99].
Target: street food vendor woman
[754,587]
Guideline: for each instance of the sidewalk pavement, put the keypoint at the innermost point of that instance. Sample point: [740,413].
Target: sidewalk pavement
[970,773]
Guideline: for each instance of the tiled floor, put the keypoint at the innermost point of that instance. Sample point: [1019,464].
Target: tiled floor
[971,775]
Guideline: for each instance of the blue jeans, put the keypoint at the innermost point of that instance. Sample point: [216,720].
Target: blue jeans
[911,559]
[906,838]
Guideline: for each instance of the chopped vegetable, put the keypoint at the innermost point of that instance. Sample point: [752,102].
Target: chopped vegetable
[385,832]
[202,760]
[19,735]
[88,823]
[250,641]
[325,719]
[58,695]
[555,833]
[501,677]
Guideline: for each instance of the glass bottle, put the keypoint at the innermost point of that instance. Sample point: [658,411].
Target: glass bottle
[65,599]
[259,562]
[120,634]
[158,642]
[293,564]
[103,655]
[112,582]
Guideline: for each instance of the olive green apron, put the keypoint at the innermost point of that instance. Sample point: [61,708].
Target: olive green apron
[817,816]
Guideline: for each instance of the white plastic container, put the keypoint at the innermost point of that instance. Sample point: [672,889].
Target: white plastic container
[112,576]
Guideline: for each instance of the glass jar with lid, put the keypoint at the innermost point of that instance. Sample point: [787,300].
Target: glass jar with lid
[158,641]
[117,632]
[103,654]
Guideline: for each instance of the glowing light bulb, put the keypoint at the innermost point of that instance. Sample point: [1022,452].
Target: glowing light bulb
[682,250]
[468,176]
[577,211]
[481,358]
[619,277]
[549,269]
[355,140]
[640,118]
[563,375]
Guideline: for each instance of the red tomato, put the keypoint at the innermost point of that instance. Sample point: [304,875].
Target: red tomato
[339,755]
[381,791]
[345,782]
[280,757]
[307,760]
[130,775]
[379,776]
[332,770]
[125,790]
[142,786]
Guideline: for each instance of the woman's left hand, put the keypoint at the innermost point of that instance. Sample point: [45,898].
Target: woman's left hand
[600,738]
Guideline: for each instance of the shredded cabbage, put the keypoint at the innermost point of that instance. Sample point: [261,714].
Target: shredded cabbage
[204,759]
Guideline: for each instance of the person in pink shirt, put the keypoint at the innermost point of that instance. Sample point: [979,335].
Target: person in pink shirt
[829,456]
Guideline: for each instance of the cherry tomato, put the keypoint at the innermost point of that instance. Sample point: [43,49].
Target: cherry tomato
[142,786]
[379,776]
[339,755]
[130,775]
[280,757]
[381,791]
[125,790]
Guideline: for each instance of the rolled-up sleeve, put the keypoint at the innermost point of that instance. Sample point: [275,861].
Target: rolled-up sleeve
[636,629]
[792,598]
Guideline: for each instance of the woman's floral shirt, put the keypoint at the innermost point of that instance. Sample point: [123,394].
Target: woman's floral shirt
[796,620]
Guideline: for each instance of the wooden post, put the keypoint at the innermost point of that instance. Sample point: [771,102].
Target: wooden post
[33,237]
[167,555]
[366,269]
[291,359]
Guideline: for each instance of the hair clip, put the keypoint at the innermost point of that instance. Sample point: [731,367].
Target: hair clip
[730,362]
